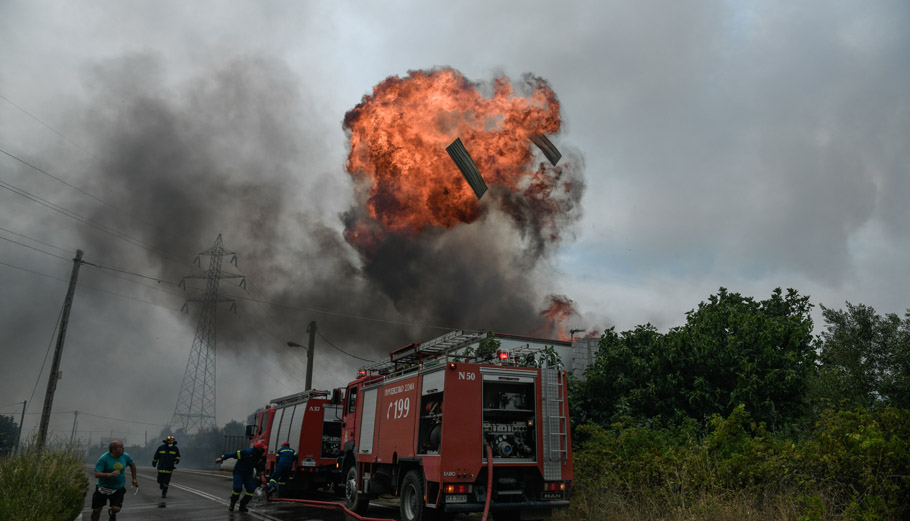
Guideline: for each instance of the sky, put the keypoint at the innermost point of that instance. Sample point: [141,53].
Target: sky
[745,145]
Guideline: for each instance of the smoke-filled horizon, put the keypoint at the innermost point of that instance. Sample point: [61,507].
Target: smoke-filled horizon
[227,152]
[742,145]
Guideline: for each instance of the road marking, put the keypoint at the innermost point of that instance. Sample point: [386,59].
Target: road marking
[216,499]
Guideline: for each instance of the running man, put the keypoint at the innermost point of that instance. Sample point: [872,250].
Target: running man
[166,459]
[111,484]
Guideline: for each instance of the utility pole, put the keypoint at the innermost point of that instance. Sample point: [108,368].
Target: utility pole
[73,434]
[58,352]
[311,329]
[21,419]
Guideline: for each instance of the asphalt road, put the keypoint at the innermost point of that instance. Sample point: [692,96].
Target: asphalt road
[203,495]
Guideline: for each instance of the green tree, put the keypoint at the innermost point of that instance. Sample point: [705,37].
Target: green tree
[9,429]
[732,350]
[486,349]
[864,358]
[234,428]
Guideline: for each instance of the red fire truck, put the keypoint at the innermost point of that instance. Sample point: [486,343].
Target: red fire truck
[449,433]
[312,425]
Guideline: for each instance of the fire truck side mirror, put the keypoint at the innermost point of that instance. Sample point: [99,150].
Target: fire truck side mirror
[250,431]
[336,396]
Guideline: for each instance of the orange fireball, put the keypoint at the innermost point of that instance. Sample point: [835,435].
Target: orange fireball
[398,136]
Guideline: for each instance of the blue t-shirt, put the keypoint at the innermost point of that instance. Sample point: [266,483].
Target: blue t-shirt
[108,463]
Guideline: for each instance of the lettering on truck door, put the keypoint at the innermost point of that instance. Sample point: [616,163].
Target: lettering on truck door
[398,413]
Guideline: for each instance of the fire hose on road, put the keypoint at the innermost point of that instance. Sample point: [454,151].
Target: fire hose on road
[348,511]
[329,504]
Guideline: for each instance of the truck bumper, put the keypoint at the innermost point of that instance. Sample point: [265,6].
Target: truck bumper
[478,507]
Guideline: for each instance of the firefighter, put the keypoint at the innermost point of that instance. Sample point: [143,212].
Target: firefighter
[287,458]
[166,459]
[250,463]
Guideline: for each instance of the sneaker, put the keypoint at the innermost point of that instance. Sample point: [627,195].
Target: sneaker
[111,516]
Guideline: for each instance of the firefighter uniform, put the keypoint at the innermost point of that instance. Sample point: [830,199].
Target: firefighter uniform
[286,458]
[249,463]
[166,459]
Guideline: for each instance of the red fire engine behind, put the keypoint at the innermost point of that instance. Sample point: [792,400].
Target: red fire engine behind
[312,425]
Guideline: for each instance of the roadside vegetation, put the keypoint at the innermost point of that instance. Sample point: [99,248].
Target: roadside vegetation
[740,414]
[42,485]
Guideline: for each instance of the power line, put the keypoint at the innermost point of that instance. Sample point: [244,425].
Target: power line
[77,145]
[32,271]
[106,291]
[33,248]
[158,280]
[84,220]
[236,296]
[66,250]
[121,419]
[52,129]
[38,379]
[76,188]
[326,340]
[99,416]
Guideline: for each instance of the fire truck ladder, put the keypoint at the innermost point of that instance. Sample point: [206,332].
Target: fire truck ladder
[299,397]
[555,426]
[413,355]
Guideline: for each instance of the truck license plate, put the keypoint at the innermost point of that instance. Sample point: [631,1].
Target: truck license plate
[456,498]
[307,463]
[551,495]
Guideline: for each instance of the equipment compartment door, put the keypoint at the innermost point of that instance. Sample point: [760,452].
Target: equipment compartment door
[367,422]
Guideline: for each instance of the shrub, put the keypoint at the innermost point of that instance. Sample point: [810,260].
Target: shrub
[854,465]
[42,484]
[862,459]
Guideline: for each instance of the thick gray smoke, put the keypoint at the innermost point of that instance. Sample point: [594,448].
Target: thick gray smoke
[233,151]
[239,150]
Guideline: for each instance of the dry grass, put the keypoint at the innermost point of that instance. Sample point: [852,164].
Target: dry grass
[610,506]
[42,485]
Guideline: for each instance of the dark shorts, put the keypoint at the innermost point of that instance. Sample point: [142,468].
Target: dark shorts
[99,499]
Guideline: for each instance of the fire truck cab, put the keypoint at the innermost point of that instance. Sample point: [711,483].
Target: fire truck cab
[448,433]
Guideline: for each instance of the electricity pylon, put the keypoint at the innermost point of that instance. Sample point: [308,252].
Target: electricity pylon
[196,402]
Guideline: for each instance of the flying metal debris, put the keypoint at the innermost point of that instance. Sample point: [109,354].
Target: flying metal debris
[463,161]
[547,147]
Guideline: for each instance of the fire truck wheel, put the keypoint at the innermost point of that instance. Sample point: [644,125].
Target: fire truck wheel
[353,498]
[412,505]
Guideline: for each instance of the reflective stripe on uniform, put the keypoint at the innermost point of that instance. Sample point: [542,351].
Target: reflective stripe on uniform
[165,471]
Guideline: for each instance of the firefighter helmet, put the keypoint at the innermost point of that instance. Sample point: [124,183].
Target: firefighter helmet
[286,444]
[260,445]
[170,439]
